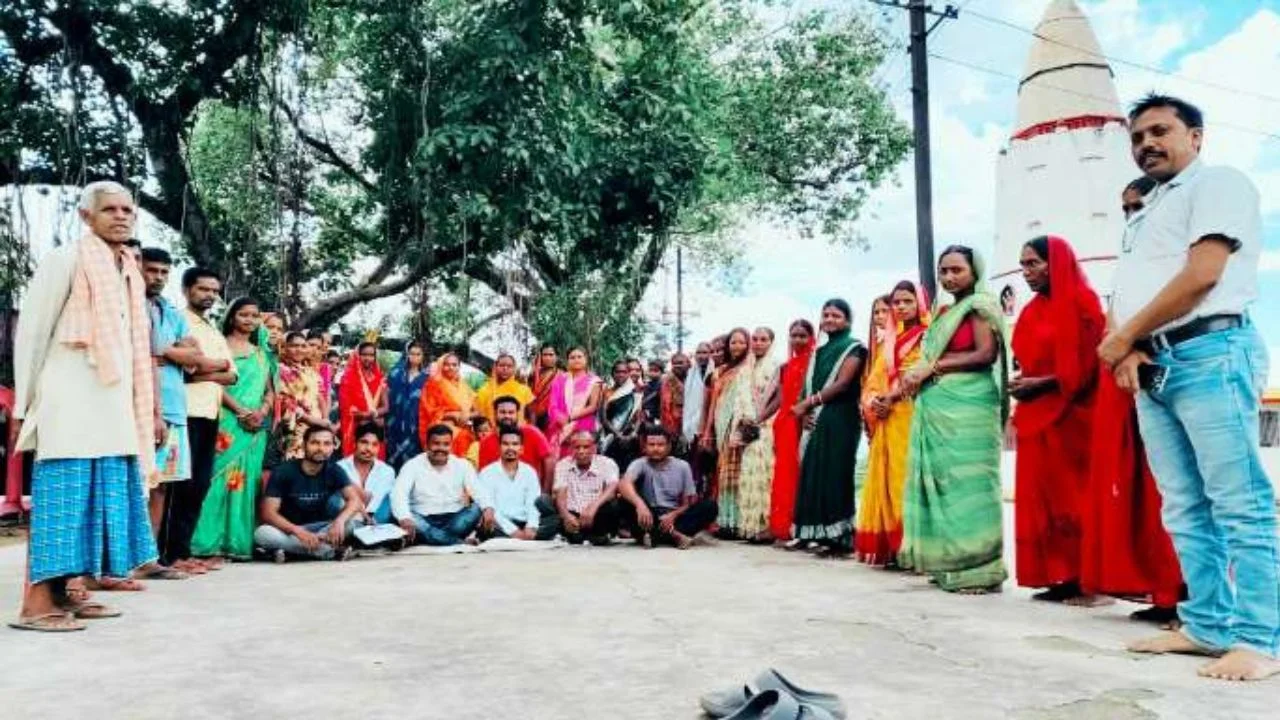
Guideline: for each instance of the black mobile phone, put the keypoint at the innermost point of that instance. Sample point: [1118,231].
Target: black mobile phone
[1152,377]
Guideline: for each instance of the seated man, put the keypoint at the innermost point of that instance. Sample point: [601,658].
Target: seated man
[510,495]
[434,495]
[310,508]
[372,477]
[586,490]
[536,451]
[660,500]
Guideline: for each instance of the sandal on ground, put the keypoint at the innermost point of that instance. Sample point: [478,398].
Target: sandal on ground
[54,622]
[733,702]
[93,611]
[113,584]
[160,572]
[76,591]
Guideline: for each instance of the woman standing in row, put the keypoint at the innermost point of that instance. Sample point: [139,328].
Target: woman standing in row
[362,396]
[546,370]
[952,513]
[1055,344]
[829,446]
[404,393]
[446,399]
[227,518]
[755,484]
[574,402]
[888,411]
[786,430]
[729,405]
[621,416]
[301,405]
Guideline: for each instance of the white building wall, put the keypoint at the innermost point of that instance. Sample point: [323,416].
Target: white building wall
[1065,183]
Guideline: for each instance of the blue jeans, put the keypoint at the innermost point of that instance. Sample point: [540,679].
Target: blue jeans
[446,528]
[1201,434]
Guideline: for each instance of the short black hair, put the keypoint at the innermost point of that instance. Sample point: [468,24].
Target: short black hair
[478,422]
[360,348]
[507,430]
[1189,114]
[133,243]
[1142,185]
[369,429]
[156,255]
[195,275]
[294,334]
[438,430]
[332,354]
[506,400]
[657,365]
[312,431]
[653,430]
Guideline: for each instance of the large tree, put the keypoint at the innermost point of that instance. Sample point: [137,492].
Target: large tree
[324,154]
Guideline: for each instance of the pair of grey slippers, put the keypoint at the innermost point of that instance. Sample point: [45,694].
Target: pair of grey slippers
[773,697]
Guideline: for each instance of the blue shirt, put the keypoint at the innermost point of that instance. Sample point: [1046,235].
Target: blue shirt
[168,326]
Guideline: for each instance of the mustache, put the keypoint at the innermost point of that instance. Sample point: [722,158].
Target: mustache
[1151,154]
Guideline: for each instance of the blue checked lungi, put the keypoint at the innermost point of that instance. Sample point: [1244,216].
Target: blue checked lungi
[88,517]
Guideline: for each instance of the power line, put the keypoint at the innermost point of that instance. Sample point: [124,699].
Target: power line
[1119,61]
[1068,91]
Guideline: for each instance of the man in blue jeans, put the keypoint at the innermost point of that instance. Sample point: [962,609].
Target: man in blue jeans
[310,508]
[1181,338]
[435,496]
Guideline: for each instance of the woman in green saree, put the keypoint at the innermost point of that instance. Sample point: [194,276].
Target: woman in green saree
[829,445]
[227,517]
[952,512]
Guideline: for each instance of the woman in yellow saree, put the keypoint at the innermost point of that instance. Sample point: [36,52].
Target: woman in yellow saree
[888,416]
[502,383]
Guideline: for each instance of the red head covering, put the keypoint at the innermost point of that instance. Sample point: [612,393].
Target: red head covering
[896,337]
[359,391]
[1057,335]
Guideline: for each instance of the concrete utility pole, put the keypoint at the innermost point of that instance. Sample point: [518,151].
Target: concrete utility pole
[679,299]
[920,122]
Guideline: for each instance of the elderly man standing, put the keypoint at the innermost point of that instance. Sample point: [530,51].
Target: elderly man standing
[86,406]
[1181,337]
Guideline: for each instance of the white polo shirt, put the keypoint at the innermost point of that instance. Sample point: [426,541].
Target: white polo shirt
[1200,201]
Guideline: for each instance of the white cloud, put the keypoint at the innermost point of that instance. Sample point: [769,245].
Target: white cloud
[1270,261]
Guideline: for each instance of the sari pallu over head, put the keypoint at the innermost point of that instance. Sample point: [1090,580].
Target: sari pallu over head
[1057,335]
[359,391]
[443,396]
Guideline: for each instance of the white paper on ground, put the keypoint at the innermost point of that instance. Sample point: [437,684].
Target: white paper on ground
[375,534]
[512,545]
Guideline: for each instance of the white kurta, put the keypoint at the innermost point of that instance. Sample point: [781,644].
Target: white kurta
[67,411]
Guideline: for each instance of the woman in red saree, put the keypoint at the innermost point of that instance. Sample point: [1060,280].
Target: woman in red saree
[362,396]
[446,399]
[786,431]
[1055,344]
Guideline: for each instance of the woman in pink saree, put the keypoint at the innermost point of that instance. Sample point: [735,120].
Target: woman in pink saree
[575,397]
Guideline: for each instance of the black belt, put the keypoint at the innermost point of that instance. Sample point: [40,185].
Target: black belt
[1190,331]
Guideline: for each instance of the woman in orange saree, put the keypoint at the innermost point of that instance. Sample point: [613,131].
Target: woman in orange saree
[446,399]
[362,396]
[1054,343]
[786,430]
[888,416]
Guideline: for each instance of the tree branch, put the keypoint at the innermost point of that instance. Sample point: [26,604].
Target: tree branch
[221,51]
[833,176]
[325,150]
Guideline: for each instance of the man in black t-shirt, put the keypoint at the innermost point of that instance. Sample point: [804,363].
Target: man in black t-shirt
[311,508]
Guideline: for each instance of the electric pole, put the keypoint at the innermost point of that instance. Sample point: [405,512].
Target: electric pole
[919,12]
[679,299]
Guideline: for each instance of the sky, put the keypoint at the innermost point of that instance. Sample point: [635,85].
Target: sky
[1201,47]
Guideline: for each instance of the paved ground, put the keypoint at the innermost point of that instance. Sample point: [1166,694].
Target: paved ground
[589,633]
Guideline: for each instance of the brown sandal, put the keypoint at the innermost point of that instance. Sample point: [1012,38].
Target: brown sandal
[93,611]
[54,622]
[113,584]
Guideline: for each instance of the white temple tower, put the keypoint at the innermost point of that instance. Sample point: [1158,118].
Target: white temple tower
[1068,157]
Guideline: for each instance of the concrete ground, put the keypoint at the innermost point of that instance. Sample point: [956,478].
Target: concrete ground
[589,633]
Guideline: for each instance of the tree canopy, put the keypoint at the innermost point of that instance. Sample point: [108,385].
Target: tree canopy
[324,154]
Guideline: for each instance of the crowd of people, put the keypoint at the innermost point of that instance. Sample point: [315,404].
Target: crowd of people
[1136,429]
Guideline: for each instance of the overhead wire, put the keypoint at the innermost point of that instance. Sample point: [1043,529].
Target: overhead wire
[1057,88]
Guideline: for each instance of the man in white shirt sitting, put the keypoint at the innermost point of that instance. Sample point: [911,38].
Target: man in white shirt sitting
[511,497]
[374,478]
[434,498]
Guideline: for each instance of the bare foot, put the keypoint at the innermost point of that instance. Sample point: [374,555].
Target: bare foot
[683,542]
[1089,601]
[1241,666]
[1169,643]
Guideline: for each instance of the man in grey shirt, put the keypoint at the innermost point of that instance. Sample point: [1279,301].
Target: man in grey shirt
[660,501]
[1180,336]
